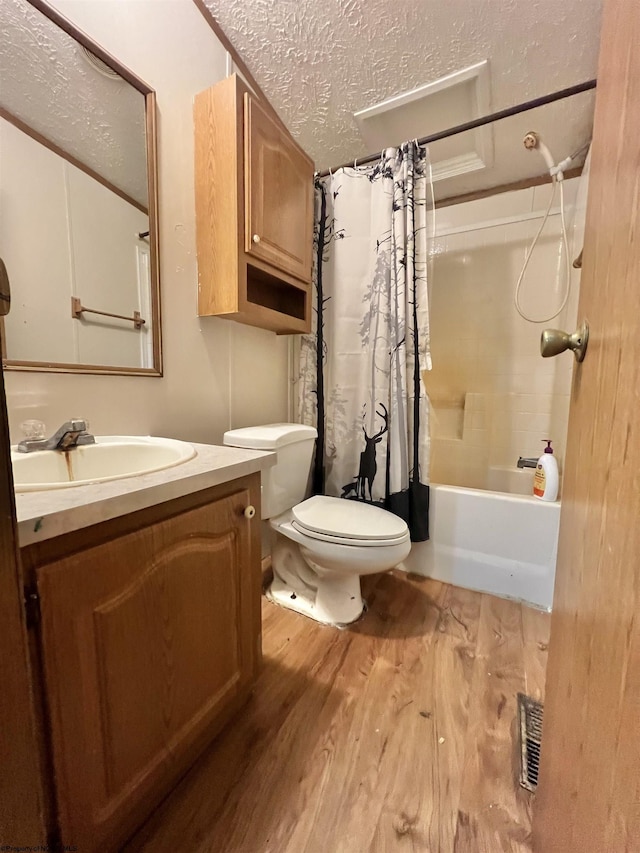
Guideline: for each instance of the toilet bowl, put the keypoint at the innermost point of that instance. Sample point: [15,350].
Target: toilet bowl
[322,545]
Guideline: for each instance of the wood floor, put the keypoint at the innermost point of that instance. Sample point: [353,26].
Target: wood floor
[393,735]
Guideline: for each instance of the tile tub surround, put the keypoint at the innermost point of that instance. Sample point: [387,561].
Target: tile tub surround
[493,398]
[43,515]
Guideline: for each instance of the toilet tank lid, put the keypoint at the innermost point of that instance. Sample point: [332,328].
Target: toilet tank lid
[270,436]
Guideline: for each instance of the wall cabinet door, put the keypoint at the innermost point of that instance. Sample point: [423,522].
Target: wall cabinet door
[278,195]
[148,645]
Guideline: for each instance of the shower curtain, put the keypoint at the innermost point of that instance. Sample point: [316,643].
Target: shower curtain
[359,372]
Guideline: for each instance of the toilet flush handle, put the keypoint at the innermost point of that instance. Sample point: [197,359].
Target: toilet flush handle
[249,512]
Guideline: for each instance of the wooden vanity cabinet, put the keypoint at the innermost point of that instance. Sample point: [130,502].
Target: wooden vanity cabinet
[149,643]
[254,213]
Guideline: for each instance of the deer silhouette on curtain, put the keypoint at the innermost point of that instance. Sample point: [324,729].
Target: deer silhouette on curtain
[368,463]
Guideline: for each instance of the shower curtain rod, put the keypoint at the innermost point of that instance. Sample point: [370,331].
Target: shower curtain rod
[479,122]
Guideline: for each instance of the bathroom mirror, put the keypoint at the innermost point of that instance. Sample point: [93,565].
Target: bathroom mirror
[78,201]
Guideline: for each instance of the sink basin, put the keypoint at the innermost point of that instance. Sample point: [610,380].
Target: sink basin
[110,458]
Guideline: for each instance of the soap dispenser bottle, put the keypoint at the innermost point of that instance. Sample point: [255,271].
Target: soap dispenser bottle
[545,483]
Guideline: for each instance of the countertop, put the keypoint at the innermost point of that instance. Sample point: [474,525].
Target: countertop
[43,515]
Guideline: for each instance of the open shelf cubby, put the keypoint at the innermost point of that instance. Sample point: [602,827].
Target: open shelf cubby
[270,292]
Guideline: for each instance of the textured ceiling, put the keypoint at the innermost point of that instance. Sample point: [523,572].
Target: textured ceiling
[47,81]
[319,62]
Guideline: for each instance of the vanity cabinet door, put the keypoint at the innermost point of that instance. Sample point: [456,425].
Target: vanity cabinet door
[278,195]
[150,643]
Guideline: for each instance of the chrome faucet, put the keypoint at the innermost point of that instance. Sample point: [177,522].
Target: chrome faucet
[71,434]
[524,462]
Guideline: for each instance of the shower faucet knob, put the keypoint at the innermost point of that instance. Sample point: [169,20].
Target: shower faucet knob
[555,341]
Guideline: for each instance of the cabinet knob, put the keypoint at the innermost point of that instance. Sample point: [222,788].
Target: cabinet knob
[249,511]
[256,238]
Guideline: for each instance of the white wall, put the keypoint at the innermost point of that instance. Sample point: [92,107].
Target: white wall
[34,244]
[64,234]
[493,397]
[218,374]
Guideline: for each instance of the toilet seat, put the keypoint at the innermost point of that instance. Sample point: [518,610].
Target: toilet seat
[346,540]
[347,522]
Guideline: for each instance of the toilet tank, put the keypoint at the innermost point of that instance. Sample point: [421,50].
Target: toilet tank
[285,484]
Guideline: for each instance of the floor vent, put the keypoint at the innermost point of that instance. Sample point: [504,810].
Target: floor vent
[530,727]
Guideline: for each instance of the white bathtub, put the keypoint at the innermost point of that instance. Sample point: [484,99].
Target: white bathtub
[492,542]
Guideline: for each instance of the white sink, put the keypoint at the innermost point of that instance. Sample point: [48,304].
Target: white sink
[110,458]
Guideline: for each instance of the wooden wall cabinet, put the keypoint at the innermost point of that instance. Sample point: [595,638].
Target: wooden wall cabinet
[254,213]
[149,641]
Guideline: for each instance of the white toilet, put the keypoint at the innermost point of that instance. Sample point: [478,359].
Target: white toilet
[322,544]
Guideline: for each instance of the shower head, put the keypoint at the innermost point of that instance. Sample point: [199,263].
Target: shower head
[532,140]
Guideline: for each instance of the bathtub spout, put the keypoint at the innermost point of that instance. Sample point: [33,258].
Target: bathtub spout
[523,462]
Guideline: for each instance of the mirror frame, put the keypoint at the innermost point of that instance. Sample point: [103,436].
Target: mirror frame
[152,183]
